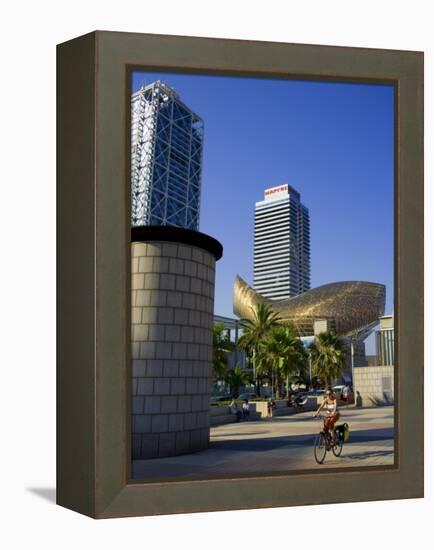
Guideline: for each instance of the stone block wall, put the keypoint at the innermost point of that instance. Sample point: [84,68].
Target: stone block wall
[172,319]
[374,385]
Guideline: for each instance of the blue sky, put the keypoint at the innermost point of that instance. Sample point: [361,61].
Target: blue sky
[333,142]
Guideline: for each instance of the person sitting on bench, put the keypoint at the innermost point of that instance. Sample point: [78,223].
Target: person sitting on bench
[234,410]
[246,409]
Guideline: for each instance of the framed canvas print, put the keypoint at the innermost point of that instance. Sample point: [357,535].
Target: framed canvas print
[240,274]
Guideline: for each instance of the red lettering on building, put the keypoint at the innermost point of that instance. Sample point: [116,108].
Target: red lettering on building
[275,190]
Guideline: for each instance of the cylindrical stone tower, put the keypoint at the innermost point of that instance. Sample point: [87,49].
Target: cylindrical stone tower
[173,273]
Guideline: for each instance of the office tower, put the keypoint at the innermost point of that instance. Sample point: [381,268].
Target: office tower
[166,159]
[281,244]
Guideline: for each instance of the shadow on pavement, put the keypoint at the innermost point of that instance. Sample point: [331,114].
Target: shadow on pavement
[368,454]
[262,444]
[237,451]
[235,434]
[366,436]
[270,443]
[289,418]
[349,416]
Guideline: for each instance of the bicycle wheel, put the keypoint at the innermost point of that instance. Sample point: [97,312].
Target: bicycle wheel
[320,449]
[337,448]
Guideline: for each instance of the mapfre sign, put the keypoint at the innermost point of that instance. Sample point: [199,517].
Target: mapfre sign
[276,192]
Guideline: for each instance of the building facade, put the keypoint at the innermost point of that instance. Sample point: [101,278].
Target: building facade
[233,331]
[166,159]
[281,244]
[374,385]
[386,341]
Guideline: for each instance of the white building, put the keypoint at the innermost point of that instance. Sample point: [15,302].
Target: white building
[281,244]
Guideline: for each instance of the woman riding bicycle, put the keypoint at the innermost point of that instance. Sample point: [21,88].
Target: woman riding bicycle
[332,414]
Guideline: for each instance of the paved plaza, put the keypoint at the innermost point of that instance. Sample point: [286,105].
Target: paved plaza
[280,444]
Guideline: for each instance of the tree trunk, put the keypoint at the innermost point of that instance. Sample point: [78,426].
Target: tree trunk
[277,385]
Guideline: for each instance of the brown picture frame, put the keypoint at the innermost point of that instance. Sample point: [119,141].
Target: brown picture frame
[93,410]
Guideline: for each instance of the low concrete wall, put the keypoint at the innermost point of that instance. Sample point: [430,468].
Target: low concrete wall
[261,407]
[223,415]
[282,409]
[374,385]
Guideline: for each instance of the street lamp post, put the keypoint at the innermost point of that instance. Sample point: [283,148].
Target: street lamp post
[254,370]
[352,367]
[310,371]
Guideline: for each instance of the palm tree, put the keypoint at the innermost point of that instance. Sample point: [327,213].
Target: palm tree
[296,356]
[328,357]
[236,378]
[255,330]
[222,345]
[281,354]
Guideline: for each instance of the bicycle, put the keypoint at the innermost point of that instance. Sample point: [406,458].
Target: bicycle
[325,442]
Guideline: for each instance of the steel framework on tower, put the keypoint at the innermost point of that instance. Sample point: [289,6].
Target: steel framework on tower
[166,159]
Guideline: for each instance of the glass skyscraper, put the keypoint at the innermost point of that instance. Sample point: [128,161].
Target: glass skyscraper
[281,244]
[166,159]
